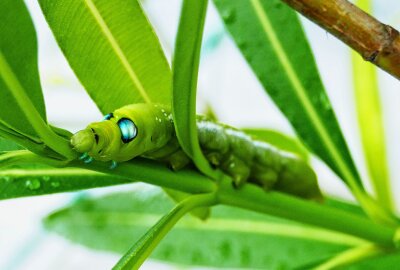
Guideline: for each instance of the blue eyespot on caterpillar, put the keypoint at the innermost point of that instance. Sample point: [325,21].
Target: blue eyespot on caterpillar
[147,130]
[128,130]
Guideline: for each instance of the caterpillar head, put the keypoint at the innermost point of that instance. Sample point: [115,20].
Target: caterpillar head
[103,140]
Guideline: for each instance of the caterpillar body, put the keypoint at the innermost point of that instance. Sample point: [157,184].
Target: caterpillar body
[147,130]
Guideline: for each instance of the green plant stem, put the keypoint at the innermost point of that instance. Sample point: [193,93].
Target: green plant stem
[285,206]
[248,197]
[352,255]
[51,139]
[139,252]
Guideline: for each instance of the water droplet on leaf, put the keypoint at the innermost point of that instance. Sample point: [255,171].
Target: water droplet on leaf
[33,184]
[55,184]
[6,178]
[228,15]
[325,101]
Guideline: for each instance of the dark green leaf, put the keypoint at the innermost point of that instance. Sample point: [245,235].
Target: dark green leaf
[230,238]
[270,36]
[97,174]
[112,49]
[8,145]
[22,114]
[388,261]
[18,65]
[39,180]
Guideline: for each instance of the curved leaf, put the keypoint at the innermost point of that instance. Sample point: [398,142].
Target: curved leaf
[185,72]
[112,49]
[22,111]
[270,36]
[231,238]
[12,182]
[18,64]
[139,252]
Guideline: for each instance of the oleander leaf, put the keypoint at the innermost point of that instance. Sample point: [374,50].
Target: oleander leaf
[113,50]
[185,73]
[18,66]
[22,114]
[270,37]
[231,238]
[370,119]
[20,168]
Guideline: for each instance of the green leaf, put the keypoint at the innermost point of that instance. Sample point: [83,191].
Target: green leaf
[370,121]
[40,180]
[18,64]
[139,252]
[385,261]
[230,238]
[185,72]
[351,255]
[112,49]
[279,140]
[79,175]
[8,145]
[271,38]
[22,113]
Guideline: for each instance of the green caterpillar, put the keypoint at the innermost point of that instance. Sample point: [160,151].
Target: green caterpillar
[148,131]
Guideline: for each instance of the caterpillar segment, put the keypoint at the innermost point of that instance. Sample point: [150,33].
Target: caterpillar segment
[148,131]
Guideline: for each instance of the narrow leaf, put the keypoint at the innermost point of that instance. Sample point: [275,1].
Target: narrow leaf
[231,238]
[41,180]
[19,64]
[371,124]
[270,36]
[112,49]
[185,73]
[22,107]
[12,182]
[136,255]
[350,256]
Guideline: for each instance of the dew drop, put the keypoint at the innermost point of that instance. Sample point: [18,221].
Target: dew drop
[325,101]
[241,43]
[33,184]
[228,15]
[55,184]
[6,178]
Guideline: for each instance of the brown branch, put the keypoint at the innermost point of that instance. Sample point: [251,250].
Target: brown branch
[376,42]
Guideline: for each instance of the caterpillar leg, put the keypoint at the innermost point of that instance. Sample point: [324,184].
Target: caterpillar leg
[178,160]
[265,178]
[214,158]
[113,164]
[237,169]
[88,160]
[84,156]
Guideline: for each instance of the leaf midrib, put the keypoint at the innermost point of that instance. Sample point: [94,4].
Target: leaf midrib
[220,224]
[117,49]
[301,93]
